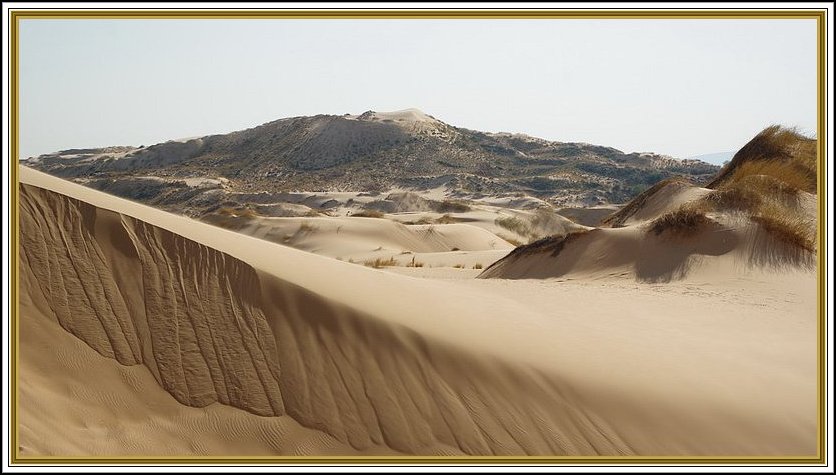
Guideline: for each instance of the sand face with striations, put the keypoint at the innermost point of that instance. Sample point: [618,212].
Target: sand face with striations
[142,332]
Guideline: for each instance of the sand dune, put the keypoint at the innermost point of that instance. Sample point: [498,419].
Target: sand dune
[708,244]
[352,237]
[284,351]
[714,253]
[407,228]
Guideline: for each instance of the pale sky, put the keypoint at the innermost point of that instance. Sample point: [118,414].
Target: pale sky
[678,87]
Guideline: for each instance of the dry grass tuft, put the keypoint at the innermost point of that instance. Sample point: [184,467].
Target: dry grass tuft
[414,263]
[378,263]
[477,266]
[750,194]
[789,228]
[777,152]
[368,213]
[686,221]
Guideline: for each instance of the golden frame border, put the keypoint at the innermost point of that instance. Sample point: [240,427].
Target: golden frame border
[819,15]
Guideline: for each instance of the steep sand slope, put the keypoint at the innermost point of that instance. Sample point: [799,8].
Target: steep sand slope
[75,401]
[375,361]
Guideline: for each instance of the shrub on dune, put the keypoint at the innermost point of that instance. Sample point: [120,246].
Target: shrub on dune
[684,222]
[777,152]
[368,213]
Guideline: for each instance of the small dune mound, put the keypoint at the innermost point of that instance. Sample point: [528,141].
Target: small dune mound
[660,192]
[759,212]
[778,152]
[546,247]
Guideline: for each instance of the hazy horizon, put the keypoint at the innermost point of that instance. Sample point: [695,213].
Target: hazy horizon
[678,87]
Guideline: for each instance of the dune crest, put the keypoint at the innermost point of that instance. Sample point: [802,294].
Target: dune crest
[210,328]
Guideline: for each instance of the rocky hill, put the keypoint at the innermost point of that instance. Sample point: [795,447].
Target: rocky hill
[368,152]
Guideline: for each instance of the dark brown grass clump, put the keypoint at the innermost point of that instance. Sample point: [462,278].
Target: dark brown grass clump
[368,213]
[685,222]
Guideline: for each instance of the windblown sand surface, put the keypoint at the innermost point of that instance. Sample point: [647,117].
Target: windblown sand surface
[147,333]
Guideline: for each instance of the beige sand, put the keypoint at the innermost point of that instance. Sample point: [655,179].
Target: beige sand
[360,239]
[284,351]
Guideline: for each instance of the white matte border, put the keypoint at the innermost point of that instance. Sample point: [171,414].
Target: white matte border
[378,468]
